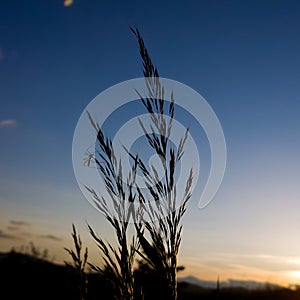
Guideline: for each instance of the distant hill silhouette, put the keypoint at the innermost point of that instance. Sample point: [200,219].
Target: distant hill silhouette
[193,288]
[26,277]
[230,283]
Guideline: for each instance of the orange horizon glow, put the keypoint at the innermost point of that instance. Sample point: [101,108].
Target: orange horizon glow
[195,267]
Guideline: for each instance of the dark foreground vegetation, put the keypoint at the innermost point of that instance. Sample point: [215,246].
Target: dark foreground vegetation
[23,276]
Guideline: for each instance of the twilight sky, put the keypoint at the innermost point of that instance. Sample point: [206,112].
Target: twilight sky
[241,56]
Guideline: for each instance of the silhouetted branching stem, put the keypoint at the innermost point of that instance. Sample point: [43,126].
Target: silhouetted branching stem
[118,261]
[79,263]
[164,226]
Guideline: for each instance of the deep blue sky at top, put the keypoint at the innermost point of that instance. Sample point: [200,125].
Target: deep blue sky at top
[242,56]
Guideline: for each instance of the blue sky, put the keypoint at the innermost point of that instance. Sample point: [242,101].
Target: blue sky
[241,56]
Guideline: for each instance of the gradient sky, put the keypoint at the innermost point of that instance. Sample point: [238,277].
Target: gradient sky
[241,56]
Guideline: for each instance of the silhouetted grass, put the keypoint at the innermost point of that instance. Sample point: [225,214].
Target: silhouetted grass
[165,212]
[118,261]
[79,263]
[162,224]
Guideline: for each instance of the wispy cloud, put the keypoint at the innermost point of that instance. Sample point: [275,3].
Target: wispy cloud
[8,54]
[51,237]
[8,122]
[242,261]
[17,227]
[1,54]
[12,228]
[4,235]
[19,223]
